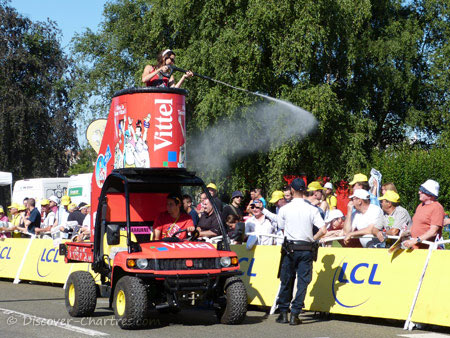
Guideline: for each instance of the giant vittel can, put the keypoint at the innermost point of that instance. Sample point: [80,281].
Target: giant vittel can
[146,128]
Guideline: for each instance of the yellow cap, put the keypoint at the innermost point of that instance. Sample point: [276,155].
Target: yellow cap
[45,202]
[212,186]
[14,205]
[276,196]
[72,206]
[65,200]
[22,208]
[1,210]
[314,186]
[390,196]
[358,178]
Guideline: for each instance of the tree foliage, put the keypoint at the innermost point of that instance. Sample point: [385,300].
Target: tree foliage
[36,119]
[408,166]
[84,163]
[373,73]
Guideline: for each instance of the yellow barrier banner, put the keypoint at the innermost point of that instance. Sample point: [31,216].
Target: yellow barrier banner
[365,282]
[433,303]
[44,264]
[260,268]
[353,281]
[11,254]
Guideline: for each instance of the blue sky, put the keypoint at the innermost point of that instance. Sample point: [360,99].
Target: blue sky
[72,16]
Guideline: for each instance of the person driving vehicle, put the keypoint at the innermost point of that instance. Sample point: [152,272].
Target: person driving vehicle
[173,220]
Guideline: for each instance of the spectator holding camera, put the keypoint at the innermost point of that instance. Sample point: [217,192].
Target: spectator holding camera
[260,224]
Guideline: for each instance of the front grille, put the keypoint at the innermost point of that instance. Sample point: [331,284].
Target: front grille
[180,264]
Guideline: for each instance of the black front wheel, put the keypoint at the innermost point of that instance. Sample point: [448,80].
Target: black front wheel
[234,307]
[131,303]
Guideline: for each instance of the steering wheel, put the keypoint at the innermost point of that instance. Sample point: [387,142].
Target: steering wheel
[194,234]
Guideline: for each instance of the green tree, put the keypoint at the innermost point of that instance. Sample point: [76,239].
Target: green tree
[363,68]
[36,119]
[84,163]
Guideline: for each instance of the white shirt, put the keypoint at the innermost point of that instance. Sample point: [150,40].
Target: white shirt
[260,226]
[49,220]
[63,214]
[87,221]
[297,218]
[373,215]
[273,218]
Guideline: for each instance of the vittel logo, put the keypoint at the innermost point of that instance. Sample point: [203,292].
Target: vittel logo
[163,135]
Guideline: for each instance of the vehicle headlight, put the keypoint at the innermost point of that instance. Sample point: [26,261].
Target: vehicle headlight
[142,263]
[225,261]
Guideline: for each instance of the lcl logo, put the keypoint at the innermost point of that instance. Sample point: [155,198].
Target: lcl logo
[5,252]
[364,276]
[47,256]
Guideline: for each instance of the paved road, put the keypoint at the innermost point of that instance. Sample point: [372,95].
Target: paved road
[32,310]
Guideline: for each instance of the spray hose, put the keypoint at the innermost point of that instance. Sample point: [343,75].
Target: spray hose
[174,68]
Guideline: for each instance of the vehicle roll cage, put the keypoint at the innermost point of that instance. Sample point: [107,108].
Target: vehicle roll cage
[122,178]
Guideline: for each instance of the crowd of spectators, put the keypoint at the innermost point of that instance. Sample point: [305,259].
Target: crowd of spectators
[55,219]
[367,221]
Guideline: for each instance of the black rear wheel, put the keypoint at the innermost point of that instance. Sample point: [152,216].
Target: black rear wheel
[80,294]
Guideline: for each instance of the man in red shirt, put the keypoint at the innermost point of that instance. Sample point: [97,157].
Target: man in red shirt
[173,220]
[429,217]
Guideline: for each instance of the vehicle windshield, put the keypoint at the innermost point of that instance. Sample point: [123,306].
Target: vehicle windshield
[169,211]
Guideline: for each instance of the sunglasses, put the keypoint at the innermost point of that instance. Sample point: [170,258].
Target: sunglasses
[254,207]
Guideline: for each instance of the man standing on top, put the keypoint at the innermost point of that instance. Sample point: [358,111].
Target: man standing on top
[428,219]
[297,218]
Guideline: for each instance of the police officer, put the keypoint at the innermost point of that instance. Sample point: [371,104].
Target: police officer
[297,219]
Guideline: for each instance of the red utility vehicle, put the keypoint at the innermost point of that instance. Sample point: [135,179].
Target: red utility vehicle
[140,275]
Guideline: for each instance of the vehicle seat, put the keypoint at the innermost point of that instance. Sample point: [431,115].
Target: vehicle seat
[112,250]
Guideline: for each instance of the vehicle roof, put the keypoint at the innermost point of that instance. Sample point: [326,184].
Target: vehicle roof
[151,180]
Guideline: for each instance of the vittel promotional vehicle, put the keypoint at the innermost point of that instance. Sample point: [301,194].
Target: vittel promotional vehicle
[141,161]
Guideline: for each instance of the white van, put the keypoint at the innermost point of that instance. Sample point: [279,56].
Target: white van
[39,188]
[79,188]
